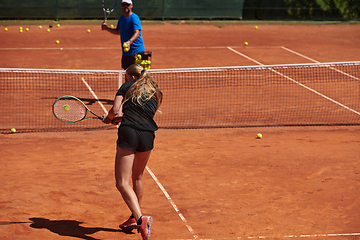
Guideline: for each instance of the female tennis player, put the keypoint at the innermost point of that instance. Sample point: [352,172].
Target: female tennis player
[138,99]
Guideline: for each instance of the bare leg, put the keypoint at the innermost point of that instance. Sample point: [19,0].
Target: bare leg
[127,161]
[141,159]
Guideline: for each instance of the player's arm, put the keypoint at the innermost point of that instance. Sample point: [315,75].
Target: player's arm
[105,27]
[133,37]
[115,110]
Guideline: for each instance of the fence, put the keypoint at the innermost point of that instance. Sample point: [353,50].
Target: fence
[150,9]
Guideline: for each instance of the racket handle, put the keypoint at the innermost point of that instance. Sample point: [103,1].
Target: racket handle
[116,120]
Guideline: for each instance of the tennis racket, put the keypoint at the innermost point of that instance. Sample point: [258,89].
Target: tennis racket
[70,109]
[108,7]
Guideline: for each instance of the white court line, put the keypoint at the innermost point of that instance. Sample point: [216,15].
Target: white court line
[243,55]
[93,93]
[300,84]
[171,202]
[150,48]
[301,55]
[289,236]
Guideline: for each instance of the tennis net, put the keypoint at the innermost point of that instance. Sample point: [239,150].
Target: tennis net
[245,96]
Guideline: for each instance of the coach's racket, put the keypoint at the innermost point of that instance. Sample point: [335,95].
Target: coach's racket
[108,7]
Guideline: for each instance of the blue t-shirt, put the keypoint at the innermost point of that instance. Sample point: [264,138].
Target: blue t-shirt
[127,26]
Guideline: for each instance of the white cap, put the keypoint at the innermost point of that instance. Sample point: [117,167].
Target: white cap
[127,1]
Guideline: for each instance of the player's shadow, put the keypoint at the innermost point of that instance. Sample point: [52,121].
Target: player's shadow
[70,228]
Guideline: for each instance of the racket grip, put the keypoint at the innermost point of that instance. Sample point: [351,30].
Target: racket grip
[116,120]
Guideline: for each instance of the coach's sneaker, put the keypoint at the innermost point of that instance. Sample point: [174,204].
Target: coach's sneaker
[144,225]
[129,225]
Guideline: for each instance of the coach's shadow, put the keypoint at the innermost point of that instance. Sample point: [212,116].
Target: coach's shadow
[70,228]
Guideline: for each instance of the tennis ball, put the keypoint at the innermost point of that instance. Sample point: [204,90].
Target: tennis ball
[246,43]
[111,25]
[66,108]
[256,27]
[13,130]
[48,30]
[20,30]
[58,25]
[40,27]
[27,29]
[125,45]
[88,30]
[126,49]
[57,41]
[6,29]
[259,135]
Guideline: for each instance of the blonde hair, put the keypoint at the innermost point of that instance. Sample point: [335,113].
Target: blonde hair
[144,87]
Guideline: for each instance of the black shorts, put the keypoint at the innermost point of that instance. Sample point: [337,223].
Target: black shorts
[135,140]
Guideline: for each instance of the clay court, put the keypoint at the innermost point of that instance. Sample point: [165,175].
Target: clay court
[221,183]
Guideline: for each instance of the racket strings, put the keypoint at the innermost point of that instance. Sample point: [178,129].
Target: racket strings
[69,110]
[109,5]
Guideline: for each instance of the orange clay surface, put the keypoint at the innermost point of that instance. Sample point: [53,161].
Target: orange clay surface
[225,183]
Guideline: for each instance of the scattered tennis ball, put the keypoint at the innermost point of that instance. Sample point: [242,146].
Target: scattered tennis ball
[57,41]
[126,49]
[48,30]
[40,27]
[27,29]
[88,30]
[111,25]
[259,135]
[13,130]
[58,25]
[256,27]
[125,45]
[66,108]
[6,29]
[20,30]
[246,43]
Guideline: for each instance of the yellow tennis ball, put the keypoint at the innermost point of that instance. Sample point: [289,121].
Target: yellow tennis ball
[125,45]
[20,30]
[27,29]
[58,25]
[88,30]
[66,108]
[246,43]
[13,130]
[48,30]
[126,49]
[259,135]
[6,29]
[111,25]
[256,27]
[40,27]
[57,41]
